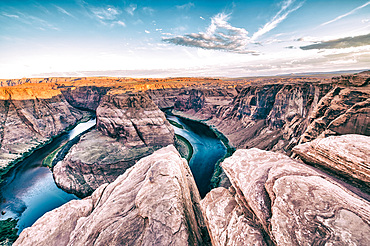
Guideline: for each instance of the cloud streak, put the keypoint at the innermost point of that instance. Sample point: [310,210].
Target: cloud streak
[186,6]
[346,14]
[220,35]
[347,42]
[287,7]
[63,11]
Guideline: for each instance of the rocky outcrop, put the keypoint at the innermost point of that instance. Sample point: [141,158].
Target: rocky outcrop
[358,80]
[96,159]
[129,127]
[134,120]
[341,111]
[294,204]
[155,202]
[226,221]
[85,97]
[29,118]
[347,155]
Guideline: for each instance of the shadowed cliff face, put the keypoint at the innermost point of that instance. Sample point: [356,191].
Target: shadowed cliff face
[30,118]
[277,116]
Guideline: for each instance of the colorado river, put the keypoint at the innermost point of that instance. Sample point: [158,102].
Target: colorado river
[208,149]
[29,190]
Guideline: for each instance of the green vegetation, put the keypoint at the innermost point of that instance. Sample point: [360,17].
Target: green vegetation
[184,147]
[174,123]
[215,180]
[48,161]
[8,231]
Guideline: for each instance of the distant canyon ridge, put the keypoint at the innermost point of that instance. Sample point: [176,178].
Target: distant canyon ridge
[299,176]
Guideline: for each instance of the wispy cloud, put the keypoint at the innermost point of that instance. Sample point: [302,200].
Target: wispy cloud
[148,10]
[10,15]
[220,35]
[63,11]
[186,6]
[131,9]
[347,42]
[287,7]
[107,13]
[346,14]
[120,23]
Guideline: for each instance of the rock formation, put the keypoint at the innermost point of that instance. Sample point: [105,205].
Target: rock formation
[129,127]
[347,155]
[134,120]
[29,118]
[292,203]
[156,202]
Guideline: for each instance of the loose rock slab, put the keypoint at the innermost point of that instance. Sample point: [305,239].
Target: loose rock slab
[155,202]
[227,223]
[296,204]
[347,155]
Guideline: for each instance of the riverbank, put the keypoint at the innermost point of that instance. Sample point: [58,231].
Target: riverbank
[3,171]
[57,155]
[184,147]
[219,178]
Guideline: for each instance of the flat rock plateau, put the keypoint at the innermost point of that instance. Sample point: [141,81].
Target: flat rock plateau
[299,175]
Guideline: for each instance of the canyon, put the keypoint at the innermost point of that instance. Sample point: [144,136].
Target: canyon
[299,175]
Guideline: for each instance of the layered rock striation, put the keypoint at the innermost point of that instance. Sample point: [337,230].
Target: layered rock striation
[134,120]
[290,202]
[129,127]
[346,155]
[29,118]
[156,202]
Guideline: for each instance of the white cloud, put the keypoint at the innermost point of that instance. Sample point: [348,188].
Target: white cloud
[148,10]
[186,6]
[11,16]
[63,11]
[106,14]
[121,23]
[201,18]
[131,9]
[146,31]
[286,8]
[220,35]
[346,14]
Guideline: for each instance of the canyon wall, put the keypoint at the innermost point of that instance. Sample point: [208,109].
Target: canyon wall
[29,118]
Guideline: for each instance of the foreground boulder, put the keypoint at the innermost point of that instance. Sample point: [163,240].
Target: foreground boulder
[347,155]
[156,202]
[291,203]
[129,127]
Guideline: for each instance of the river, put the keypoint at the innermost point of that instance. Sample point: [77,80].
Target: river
[29,190]
[208,149]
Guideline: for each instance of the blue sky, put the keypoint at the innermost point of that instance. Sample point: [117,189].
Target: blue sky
[182,38]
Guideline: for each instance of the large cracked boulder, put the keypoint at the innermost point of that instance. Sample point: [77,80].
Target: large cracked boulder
[347,155]
[156,202]
[291,203]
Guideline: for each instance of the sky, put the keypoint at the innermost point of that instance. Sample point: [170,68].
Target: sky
[182,38]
